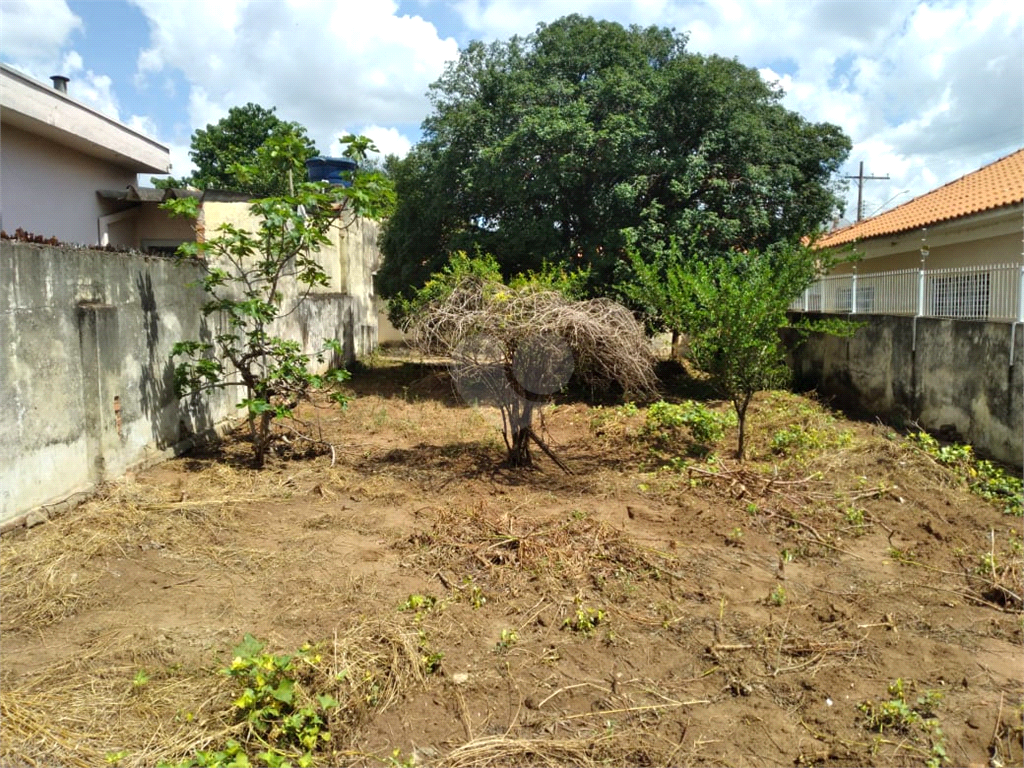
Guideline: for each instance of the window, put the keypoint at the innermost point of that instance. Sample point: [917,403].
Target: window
[964,295]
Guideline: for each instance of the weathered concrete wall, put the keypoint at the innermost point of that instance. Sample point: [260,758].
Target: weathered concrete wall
[85,371]
[947,375]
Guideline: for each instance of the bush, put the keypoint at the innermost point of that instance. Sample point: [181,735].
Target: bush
[664,420]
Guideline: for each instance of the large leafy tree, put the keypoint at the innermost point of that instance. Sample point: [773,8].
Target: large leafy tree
[224,153]
[556,147]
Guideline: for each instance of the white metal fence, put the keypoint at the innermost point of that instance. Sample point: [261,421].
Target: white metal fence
[988,292]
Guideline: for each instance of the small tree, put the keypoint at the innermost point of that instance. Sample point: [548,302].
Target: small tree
[516,345]
[732,308]
[244,273]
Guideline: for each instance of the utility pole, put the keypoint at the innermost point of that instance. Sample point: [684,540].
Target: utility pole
[861,178]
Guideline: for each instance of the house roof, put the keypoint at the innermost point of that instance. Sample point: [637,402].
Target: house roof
[41,110]
[995,185]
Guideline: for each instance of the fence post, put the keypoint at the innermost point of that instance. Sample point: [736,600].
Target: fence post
[853,292]
[807,293]
[1020,296]
[920,283]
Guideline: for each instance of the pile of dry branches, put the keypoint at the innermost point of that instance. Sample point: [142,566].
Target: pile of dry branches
[515,347]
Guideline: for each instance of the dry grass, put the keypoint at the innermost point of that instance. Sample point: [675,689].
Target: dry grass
[620,749]
[80,712]
[44,579]
[505,550]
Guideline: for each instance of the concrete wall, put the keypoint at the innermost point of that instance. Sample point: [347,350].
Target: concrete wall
[85,371]
[952,376]
[50,189]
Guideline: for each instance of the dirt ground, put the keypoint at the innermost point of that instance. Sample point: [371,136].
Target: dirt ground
[836,600]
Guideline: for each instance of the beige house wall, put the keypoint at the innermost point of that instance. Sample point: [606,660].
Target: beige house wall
[350,260]
[50,189]
[989,238]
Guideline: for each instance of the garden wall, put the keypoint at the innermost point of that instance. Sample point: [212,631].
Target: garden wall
[86,378]
[961,378]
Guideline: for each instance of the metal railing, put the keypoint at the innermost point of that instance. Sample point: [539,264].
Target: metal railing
[986,292]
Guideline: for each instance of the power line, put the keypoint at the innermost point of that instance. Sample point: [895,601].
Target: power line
[861,178]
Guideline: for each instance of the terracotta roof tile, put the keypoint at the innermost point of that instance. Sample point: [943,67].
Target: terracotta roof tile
[992,186]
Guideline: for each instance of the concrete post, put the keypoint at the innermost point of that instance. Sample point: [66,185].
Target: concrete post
[920,284]
[853,292]
[1020,296]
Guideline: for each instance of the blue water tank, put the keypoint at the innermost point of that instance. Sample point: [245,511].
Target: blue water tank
[330,169]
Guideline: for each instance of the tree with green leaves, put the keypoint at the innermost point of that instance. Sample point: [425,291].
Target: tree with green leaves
[246,274]
[224,154]
[732,308]
[553,147]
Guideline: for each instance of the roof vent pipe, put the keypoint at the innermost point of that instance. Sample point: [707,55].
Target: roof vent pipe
[60,82]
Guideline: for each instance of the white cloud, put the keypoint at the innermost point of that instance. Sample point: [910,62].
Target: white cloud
[324,64]
[388,140]
[144,125]
[36,31]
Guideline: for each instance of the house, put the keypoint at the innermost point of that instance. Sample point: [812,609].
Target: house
[953,252]
[939,297]
[56,153]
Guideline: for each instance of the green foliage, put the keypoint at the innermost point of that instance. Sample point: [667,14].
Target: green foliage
[280,720]
[983,477]
[228,154]
[418,603]
[231,756]
[777,597]
[915,722]
[484,268]
[546,149]
[584,619]
[245,274]
[732,308]
[459,267]
[800,438]
[509,637]
[705,426]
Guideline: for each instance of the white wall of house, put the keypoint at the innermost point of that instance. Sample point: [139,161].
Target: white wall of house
[50,189]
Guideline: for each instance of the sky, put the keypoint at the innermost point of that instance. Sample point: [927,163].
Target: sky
[927,91]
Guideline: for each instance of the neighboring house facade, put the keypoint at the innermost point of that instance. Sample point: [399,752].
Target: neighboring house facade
[953,252]
[56,154]
[939,294]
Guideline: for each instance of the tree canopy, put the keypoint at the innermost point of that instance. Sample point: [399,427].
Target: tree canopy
[224,152]
[557,146]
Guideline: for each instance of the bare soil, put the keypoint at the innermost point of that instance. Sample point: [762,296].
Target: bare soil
[743,614]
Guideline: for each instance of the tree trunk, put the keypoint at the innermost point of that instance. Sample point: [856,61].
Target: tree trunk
[261,438]
[519,449]
[741,417]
